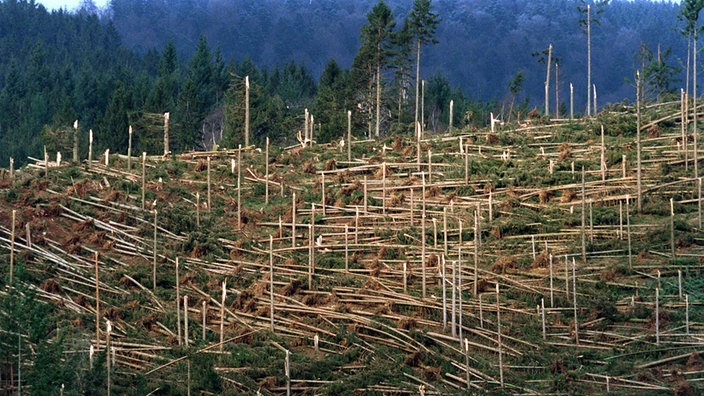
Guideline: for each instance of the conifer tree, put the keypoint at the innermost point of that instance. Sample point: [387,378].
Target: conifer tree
[423,23]
[377,37]
[589,14]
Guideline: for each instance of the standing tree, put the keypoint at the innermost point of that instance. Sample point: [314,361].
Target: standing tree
[112,133]
[514,87]
[546,57]
[196,97]
[422,22]
[690,13]
[332,101]
[377,37]
[163,96]
[401,63]
[589,16]
[658,75]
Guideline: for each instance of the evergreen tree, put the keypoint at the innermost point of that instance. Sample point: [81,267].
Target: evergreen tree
[363,82]
[112,133]
[423,23]
[165,93]
[267,112]
[690,11]
[401,64]
[438,96]
[332,102]
[377,40]
[196,98]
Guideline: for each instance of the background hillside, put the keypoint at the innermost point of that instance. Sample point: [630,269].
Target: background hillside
[128,64]
[481,43]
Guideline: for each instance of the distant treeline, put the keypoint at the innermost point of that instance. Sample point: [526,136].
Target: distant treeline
[129,64]
[482,44]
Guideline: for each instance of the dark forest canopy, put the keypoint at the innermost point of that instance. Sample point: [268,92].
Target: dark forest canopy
[139,59]
[481,43]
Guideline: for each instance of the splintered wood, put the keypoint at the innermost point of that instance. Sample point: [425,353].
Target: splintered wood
[341,261]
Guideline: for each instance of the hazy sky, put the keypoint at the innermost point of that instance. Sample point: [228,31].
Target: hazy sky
[73,4]
[68,4]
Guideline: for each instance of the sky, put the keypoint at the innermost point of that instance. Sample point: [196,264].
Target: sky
[73,4]
[68,4]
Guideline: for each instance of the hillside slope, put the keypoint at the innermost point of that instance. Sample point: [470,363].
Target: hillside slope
[378,274]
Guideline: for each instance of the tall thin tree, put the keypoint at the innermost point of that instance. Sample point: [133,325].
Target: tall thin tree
[423,23]
[690,13]
[589,16]
[377,35]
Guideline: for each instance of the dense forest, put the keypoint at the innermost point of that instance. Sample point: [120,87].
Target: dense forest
[130,63]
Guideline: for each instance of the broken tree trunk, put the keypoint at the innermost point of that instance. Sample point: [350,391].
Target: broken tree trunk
[12,245]
[246,111]
[166,133]
[178,305]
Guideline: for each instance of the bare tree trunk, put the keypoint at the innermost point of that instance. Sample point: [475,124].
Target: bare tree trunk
[589,60]
[694,94]
[222,314]
[349,135]
[378,98]
[417,79]
[689,54]
[498,333]
[129,150]
[97,304]
[246,111]
[547,83]
[571,101]
[154,254]
[144,181]
[584,237]
[90,148]
[271,282]
[178,305]
[557,91]
[638,127]
[75,142]
[574,300]
[239,188]
[422,107]
[452,105]
[166,133]
[12,246]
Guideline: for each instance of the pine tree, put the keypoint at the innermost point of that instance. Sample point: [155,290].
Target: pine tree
[423,23]
[113,131]
[377,39]
[196,98]
[589,17]
[690,13]
[401,64]
[165,93]
[332,102]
